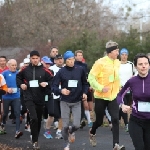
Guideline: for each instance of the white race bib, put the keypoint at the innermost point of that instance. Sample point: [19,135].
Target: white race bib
[72,83]
[14,90]
[46,98]
[144,106]
[34,83]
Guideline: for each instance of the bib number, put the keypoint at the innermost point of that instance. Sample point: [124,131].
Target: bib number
[72,83]
[144,106]
[34,83]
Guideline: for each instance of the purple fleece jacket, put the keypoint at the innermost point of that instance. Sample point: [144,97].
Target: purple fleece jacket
[140,87]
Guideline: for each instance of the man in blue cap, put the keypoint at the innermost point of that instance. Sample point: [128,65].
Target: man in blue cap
[46,61]
[74,88]
[126,72]
[48,119]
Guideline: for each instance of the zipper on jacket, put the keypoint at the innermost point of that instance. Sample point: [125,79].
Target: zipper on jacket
[143,85]
[33,73]
[113,81]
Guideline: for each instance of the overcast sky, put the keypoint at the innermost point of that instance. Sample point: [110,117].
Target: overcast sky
[139,4]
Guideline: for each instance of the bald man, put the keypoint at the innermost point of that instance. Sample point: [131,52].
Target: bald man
[12,98]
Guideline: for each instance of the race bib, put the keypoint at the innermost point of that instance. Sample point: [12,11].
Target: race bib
[144,106]
[72,83]
[34,83]
[14,90]
[46,98]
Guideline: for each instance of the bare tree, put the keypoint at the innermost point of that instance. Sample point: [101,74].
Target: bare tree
[30,22]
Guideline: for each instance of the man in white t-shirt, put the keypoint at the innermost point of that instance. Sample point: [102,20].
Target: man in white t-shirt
[55,103]
[126,72]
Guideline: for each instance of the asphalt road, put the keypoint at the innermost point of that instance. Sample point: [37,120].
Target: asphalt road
[103,136]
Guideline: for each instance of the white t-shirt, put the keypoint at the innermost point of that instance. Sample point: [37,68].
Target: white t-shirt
[126,72]
[55,70]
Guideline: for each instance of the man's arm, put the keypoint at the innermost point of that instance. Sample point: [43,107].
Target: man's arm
[4,88]
[48,76]
[56,83]
[20,78]
[94,72]
[84,82]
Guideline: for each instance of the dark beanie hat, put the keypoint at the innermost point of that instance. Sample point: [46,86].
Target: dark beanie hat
[110,46]
[34,52]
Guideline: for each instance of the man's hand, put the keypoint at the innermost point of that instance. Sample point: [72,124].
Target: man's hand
[23,87]
[90,88]
[105,89]
[43,84]
[65,91]
[10,90]
[84,97]
[126,108]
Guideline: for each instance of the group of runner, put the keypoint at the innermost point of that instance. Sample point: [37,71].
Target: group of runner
[60,88]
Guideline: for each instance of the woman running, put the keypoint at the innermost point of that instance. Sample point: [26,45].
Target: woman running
[139,123]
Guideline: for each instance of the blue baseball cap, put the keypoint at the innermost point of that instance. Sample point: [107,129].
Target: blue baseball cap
[124,51]
[68,54]
[46,60]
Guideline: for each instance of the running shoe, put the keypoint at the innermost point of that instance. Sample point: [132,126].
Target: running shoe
[48,135]
[35,146]
[90,124]
[18,135]
[92,139]
[67,147]
[1,130]
[27,128]
[117,147]
[71,137]
[59,135]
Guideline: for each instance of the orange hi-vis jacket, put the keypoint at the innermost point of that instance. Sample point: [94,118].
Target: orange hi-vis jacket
[3,85]
[105,73]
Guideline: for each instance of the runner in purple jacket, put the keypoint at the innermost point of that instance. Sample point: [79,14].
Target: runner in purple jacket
[139,123]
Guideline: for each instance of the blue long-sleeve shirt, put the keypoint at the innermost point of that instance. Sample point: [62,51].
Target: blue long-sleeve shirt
[10,78]
[63,76]
[140,87]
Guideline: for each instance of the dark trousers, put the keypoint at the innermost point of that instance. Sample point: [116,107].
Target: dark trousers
[35,112]
[139,131]
[15,103]
[24,110]
[124,116]
[113,109]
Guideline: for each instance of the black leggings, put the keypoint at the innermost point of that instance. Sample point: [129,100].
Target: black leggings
[113,109]
[139,131]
